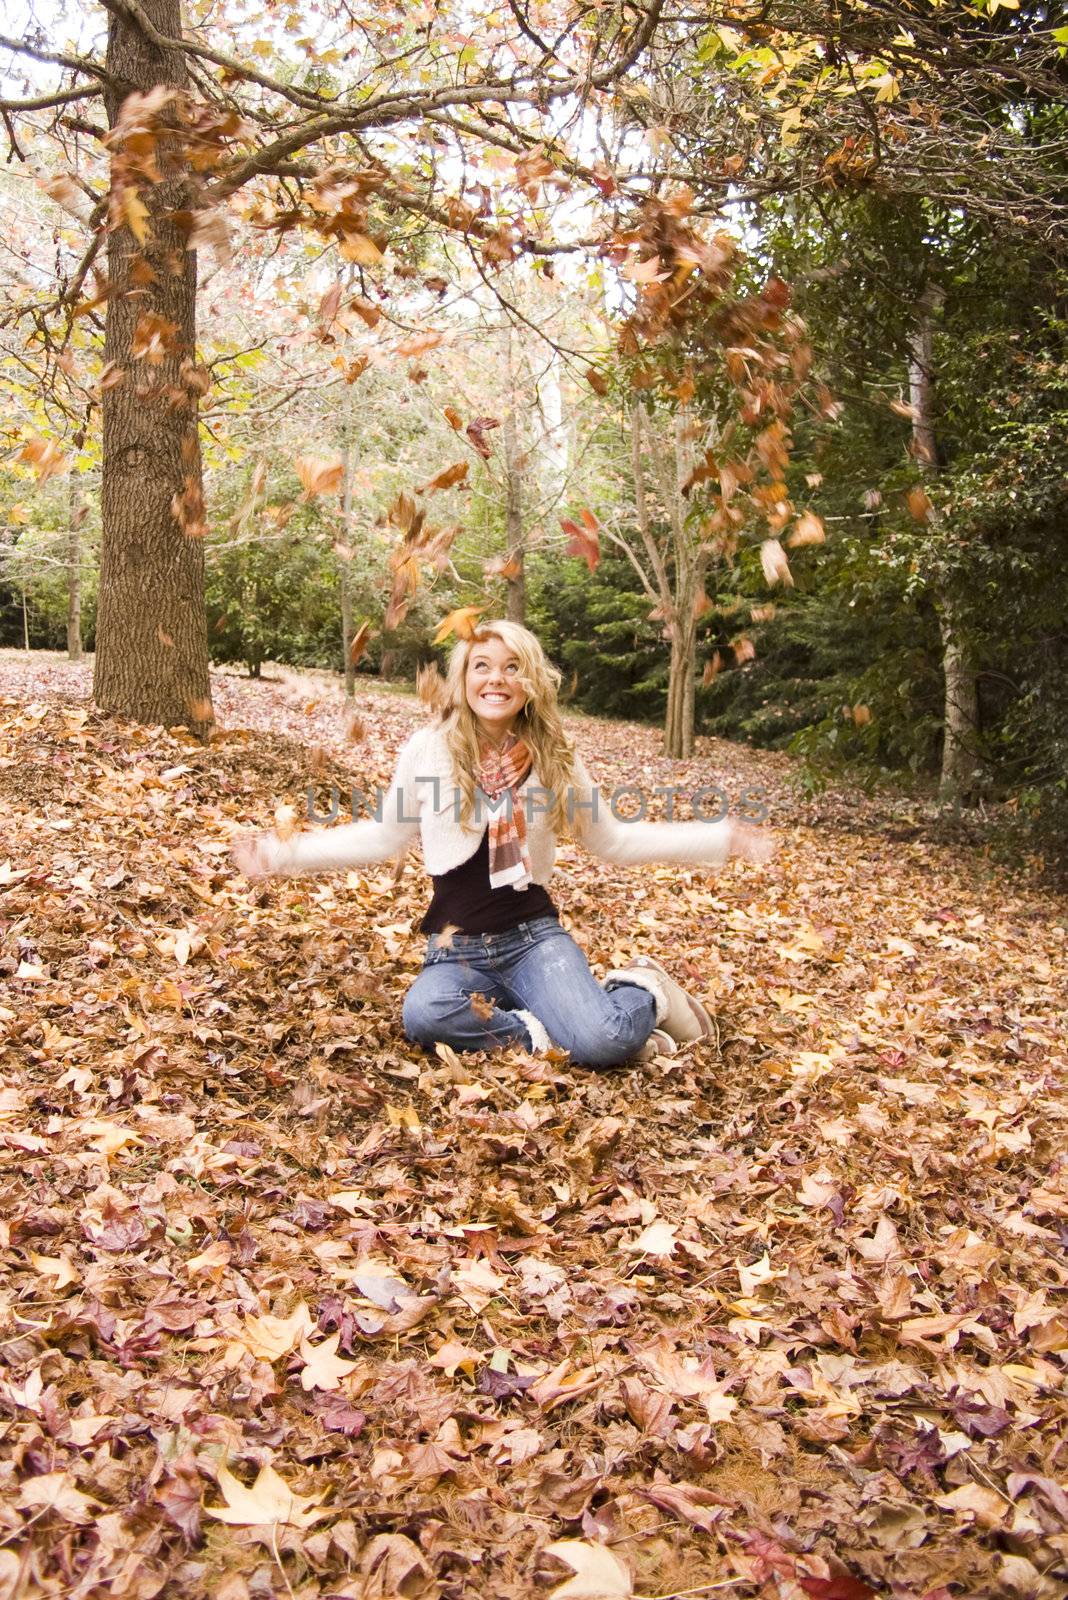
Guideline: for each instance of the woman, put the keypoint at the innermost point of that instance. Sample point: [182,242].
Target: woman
[489,788]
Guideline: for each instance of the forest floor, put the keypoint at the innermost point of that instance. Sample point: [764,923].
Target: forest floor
[291,1309]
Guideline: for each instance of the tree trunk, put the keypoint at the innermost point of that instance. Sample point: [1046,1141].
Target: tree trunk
[513,497]
[960,721]
[25,623]
[346,588]
[678,727]
[74,571]
[151,643]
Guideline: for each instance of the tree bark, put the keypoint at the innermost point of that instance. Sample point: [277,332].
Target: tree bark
[960,720]
[679,723]
[151,644]
[513,495]
[346,587]
[74,571]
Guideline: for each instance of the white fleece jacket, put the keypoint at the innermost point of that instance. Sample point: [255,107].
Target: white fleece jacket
[423,799]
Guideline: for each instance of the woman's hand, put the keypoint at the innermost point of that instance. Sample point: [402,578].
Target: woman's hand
[256,854]
[751,843]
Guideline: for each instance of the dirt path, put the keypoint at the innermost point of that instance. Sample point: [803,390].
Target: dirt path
[785,1315]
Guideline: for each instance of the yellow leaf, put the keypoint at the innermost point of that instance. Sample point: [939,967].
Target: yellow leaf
[136,213]
[269,1338]
[58,1267]
[358,247]
[269,1501]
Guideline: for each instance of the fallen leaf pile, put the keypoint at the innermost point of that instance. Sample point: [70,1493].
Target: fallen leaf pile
[291,1308]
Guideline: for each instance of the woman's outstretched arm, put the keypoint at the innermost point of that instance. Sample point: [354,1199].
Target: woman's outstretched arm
[356,844]
[631,843]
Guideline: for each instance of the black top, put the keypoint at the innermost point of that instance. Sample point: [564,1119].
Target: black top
[464,900]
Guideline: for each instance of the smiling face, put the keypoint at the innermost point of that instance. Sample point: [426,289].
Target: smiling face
[492,688]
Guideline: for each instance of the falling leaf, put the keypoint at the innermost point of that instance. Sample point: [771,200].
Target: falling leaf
[359,248]
[462,622]
[360,640]
[711,669]
[599,1572]
[583,538]
[448,478]
[320,474]
[918,503]
[269,1501]
[774,562]
[135,212]
[46,458]
[808,529]
[476,431]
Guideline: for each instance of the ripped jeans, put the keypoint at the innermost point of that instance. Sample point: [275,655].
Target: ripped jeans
[470,992]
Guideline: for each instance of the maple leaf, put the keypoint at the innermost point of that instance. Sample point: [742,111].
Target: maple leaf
[658,1239]
[269,1501]
[599,1573]
[269,1338]
[54,1491]
[323,1367]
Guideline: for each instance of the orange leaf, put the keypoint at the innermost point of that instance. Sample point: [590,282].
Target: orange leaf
[712,668]
[320,474]
[45,456]
[918,504]
[447,478]
[808,529]
[453,418]
[360,640]
[596,380]
[462,622]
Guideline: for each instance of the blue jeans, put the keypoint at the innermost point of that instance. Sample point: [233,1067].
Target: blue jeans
[470,991]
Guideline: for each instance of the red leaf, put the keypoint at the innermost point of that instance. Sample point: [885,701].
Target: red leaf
[583,540]
[476,431]
[840,1587]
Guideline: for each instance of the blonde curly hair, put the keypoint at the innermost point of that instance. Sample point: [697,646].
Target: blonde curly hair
[538,724]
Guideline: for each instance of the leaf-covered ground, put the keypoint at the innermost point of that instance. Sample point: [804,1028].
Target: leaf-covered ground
[293,1309]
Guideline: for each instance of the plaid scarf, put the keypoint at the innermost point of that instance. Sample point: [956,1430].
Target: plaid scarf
[501,770]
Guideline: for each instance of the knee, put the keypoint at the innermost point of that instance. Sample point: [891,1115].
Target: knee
[419,1017]
[595,1047]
